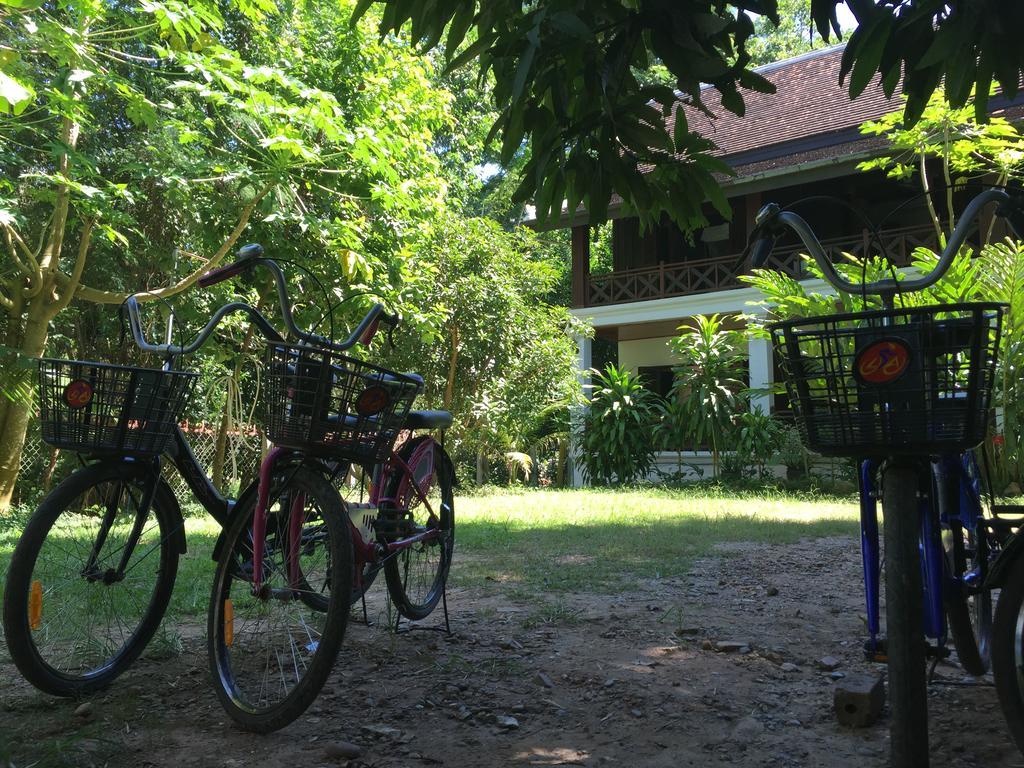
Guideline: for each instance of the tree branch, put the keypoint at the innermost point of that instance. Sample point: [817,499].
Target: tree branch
[75,279]
[87,293]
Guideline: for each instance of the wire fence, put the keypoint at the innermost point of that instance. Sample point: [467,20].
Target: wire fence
[42,467]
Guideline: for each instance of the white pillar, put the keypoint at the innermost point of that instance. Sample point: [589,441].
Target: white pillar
[759,355]
[583,365]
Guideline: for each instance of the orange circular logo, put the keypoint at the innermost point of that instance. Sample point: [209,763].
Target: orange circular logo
[882,362]
[372,400]
[78,393]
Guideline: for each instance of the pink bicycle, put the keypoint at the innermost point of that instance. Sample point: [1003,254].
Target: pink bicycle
[295,555]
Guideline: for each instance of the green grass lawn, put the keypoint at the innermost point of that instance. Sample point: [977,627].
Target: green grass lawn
[601,539]
[519,541]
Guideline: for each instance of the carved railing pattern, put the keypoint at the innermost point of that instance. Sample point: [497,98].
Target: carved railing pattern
[707,275]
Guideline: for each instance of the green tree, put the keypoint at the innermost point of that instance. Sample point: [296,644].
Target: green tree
[568,80]
[490,347]
[126,130]
[793,35]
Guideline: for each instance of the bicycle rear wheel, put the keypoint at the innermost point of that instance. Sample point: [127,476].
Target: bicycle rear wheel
[969,611]
[272,651]
[904,617]
[416,575]
[91,577]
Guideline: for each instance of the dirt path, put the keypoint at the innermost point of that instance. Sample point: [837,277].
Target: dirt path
[593,680]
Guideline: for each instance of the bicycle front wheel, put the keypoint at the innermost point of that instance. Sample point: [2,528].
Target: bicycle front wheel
[272,649]
[91,577]
[904,617]
[416,574]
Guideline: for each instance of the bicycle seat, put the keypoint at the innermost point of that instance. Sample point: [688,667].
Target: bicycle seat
[428,420]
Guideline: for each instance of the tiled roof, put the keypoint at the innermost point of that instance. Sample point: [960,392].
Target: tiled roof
[809,105]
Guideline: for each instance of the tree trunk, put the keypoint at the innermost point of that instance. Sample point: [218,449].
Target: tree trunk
[562,463]
[481,467]
[220,446]
[12,431]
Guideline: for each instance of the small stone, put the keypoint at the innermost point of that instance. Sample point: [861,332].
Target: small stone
[772,591]
[789,667]
[837,675]
[636,712]
[732,646]
[687,631]
[610,682]
[794,723]
[84,710]
[858,700]
[542,678]
[507,722]
[342,750]
[382,730]
[707,645]
[829,663]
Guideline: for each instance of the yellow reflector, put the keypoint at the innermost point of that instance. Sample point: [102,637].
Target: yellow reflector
[229,623]
[35,605]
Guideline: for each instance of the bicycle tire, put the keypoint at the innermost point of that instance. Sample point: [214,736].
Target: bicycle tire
[1008,651]
[33,661]
[248,703]
[415,595]
[969,615]
[904,618]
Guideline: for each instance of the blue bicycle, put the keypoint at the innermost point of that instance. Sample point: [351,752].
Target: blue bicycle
[906,391]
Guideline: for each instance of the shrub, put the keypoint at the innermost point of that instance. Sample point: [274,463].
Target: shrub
[616,442]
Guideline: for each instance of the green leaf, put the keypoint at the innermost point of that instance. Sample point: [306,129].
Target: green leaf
[14,96]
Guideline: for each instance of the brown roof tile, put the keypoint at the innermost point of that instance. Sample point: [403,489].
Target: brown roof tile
[809,102]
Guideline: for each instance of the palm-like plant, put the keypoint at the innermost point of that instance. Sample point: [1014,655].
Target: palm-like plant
[706,390]
[617,436]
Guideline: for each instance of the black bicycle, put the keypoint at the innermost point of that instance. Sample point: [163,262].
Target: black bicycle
[93,572]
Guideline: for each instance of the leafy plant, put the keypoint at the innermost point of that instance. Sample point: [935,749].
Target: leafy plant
[616,442]
[755,440]
[706,390]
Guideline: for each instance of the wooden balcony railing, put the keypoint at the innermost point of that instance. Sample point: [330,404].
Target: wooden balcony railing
[707,275]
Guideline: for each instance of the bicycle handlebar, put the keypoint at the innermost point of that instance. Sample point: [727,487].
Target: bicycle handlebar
[771,219]
[252,255]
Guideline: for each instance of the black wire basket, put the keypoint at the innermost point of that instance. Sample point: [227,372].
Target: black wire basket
[102,408]
[323,402]
[904,382]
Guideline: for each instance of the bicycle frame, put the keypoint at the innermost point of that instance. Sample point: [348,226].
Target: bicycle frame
[951,473]
[365,551]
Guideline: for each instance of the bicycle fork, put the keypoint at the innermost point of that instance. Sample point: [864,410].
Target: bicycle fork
[259,524]
[929,548]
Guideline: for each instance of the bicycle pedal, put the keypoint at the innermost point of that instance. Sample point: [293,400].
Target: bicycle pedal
[876,652]
[937,652]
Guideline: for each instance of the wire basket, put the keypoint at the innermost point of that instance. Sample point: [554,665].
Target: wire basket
[893,382]
[102,408]
[323,402]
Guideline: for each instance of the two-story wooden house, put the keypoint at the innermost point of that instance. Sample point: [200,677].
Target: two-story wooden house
[800,142]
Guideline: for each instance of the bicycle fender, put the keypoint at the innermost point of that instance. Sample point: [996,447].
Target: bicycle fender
[1012,552]
[439,453]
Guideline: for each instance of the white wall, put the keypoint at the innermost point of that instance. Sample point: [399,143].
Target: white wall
[646,352]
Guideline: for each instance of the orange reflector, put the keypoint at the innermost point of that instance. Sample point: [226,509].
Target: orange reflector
[35,605]
[229,623]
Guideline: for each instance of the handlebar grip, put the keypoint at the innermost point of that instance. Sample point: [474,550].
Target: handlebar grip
[246,254]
